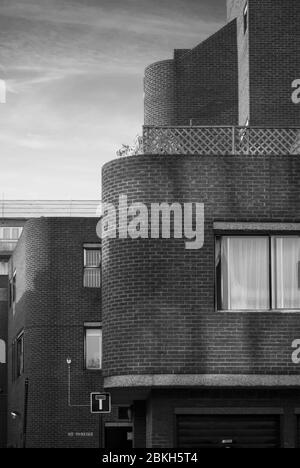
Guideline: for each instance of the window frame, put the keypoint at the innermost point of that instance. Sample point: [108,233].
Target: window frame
[270,236]
[92,326]
[246,18]
[18,367]
[12,296]
[86,247]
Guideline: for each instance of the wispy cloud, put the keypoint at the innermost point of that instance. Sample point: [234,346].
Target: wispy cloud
[74,73]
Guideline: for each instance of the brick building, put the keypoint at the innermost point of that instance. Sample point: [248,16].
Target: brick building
[205,343]
[50,313]
[201,348]
[242,75]
[10,230]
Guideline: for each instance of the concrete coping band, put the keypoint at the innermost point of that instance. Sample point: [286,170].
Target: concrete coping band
[199,380]
[220,226]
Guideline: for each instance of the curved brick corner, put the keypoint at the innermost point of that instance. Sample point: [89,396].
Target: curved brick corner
[160,93]
[159,299]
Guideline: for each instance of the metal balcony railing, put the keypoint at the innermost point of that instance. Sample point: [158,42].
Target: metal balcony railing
[220,140]
[48,208]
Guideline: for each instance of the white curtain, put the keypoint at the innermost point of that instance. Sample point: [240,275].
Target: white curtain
[245,273]
[286,281]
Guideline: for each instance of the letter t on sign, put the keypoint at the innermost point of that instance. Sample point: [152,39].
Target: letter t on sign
[100,403]
[100,399]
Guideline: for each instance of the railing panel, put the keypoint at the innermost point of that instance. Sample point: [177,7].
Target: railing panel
[220,140]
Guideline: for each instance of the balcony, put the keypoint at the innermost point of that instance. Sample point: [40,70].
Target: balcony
[194,140]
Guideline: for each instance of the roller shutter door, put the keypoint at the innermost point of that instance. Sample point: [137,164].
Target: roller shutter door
[228,431]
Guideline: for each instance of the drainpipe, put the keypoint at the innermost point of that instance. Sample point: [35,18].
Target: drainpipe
[25,412]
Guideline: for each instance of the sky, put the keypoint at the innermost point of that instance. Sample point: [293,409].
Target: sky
[73,71]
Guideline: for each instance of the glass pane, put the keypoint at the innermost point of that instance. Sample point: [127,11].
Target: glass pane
[2,352]
[92,278]
[6,233]
[92,258]
[245,273]
[93,348]
[15,233]
[20,355]
[3,268]
[286,272]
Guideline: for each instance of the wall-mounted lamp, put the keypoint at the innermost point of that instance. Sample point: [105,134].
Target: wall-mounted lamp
[14,414]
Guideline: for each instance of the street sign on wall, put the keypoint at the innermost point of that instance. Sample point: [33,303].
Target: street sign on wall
[100,403]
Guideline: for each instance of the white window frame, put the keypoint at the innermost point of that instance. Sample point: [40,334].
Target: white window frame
[272,272]
[87,327]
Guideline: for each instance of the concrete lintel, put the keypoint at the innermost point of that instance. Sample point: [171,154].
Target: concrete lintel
[228,226]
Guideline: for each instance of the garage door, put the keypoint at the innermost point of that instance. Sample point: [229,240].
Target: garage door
[298,431]
[228,431]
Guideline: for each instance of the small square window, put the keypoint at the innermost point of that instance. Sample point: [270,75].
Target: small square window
[124,413]
[92,266]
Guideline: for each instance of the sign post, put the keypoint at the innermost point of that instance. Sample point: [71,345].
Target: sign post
[100,403]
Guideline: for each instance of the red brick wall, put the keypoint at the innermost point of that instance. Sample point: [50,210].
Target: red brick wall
[274,61]
[206,81]
[233,76]
[52,306]
[160,105]
[158,298]
[199,84]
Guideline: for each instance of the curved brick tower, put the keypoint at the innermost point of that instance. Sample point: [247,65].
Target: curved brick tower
[160,105]
[198,371]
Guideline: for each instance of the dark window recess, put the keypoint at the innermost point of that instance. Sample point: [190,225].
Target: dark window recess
[124,413]
[18,356]
[12,290]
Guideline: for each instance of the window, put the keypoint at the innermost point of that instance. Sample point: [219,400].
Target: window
[18,356]
[124,413]
[14,287]
[286,272]
[2,352]
[3,268]
[92,266]
[9,237]
[93,348]
[13,291]
[245,18]
[258,273]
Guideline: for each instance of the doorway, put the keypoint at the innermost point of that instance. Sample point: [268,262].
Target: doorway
[118,435]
